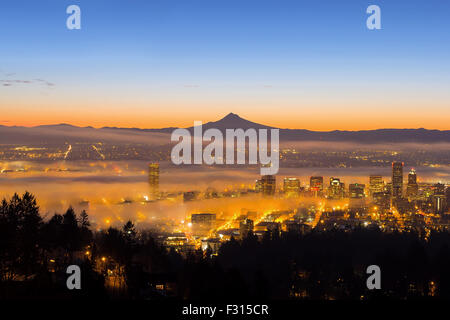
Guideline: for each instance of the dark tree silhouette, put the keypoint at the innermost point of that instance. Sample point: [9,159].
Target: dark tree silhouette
[322,264]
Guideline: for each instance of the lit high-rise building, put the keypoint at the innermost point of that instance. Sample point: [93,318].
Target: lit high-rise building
[356,190]
[336,189]
[376,184]
[291,187]
[268,185]
[447,197]
[439,204]
[316,185]
[153,180]
[397,179]
[412,187]
[357,196]
[439,199]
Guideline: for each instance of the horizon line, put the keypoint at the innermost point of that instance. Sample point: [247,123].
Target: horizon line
[231,114]
[176,127]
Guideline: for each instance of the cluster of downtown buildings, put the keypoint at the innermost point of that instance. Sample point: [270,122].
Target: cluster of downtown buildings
[397,194]
[401,203]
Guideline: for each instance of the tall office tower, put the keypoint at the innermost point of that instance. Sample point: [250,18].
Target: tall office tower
[439,205]
[356,190]
[438,198]
[412,188]
[316,185]
[268,185]
[397,179]
[447,197]
[291,187]
[153,180]
[356,193]
[376,184]
[336,189]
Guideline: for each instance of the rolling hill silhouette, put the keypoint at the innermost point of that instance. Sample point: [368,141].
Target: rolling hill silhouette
[66,132]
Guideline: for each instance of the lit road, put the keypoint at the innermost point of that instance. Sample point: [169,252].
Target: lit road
[98,151]
[68,152]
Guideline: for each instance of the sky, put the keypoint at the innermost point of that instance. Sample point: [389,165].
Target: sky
[291,64]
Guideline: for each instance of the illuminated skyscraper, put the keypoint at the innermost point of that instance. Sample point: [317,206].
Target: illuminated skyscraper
[376,184]
[153,180]
[336,189]
[397,179]
[447,197]
[439,204]
[356,190]
[357,196]
[316,185]
[268,185]
[291,187]
[412,188]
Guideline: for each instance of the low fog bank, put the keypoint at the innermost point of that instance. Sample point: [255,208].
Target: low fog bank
[352,146]
[116,191]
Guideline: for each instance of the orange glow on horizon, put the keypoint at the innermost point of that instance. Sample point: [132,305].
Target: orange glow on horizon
[315,117]
[314,124]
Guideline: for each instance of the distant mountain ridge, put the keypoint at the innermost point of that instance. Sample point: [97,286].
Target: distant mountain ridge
[66,132]
[233,121]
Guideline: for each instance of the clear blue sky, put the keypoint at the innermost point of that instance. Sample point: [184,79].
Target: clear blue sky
[162,58]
